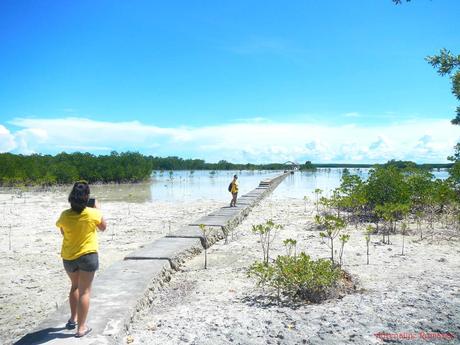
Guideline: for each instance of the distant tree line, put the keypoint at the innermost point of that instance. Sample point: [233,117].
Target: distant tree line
[396,163]
[65,168]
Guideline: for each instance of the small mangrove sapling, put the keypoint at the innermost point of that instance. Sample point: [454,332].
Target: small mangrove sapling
[367,237]
[291,246]
[130,195]
[344,238]
[205,231]
[267,233]
[418,220]
[403,232]
[305,199]
[391,212]
[318,193]
[333,226]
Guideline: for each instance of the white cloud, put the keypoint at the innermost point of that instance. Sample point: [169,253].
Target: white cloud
[7,142]
[254,141]
[29,140]
[352,114]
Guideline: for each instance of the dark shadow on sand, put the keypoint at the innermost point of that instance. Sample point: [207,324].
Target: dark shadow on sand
[43,336]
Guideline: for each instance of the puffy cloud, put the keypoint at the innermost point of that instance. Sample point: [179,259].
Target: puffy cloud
[253,141]
[29,140]
[382,148]
[7,142]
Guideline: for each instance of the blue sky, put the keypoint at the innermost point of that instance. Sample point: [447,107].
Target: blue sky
[245,81]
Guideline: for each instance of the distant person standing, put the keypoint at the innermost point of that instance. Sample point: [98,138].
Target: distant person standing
[233,188]
[79,225]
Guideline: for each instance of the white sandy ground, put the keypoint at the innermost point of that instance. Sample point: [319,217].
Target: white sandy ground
[32,279]
[417,292]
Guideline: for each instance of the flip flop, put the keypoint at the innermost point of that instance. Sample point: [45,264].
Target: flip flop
[70,324]
[88,331]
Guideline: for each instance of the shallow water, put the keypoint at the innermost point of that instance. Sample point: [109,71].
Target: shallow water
[164,186]
[185,185]
[204,184]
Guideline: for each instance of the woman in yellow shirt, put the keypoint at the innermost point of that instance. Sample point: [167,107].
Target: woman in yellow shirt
[234,191]
[79,226]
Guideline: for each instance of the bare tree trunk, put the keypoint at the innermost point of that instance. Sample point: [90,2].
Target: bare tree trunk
[402,251]
[332,250]
[205,258]
[367,253]
[268,247]
[341,253]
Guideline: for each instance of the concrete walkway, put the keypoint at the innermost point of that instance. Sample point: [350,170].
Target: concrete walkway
[128,285]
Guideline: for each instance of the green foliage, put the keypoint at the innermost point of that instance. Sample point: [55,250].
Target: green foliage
[393,192]
[443,193]
[454,176]
[318,193]
[420,184]
[400,164]
[386,185]
[332,225]
[447,63]
[291,246]
[391,213]
[65,168]
[296,276]
[308,166]
[343,239]
[351,195]
[456,155]
[267,233]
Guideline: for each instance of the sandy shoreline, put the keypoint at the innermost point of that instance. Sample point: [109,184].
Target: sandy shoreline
[418,292]
[32,280]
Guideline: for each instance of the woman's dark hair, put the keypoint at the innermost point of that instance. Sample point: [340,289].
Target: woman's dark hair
[79,196]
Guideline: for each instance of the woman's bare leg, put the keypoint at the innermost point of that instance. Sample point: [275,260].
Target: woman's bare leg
[73,295]
[234,195]
[84,290]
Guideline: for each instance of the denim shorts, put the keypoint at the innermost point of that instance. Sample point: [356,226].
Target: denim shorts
[88,263]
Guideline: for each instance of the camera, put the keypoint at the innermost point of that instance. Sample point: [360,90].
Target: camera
[91,202]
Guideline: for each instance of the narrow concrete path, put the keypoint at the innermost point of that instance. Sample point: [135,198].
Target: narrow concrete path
[126,286]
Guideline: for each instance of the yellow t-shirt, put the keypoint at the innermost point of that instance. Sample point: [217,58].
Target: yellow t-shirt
[80,232]
[234,187]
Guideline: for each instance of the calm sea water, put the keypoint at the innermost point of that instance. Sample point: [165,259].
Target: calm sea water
[182,185]
[186,186]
